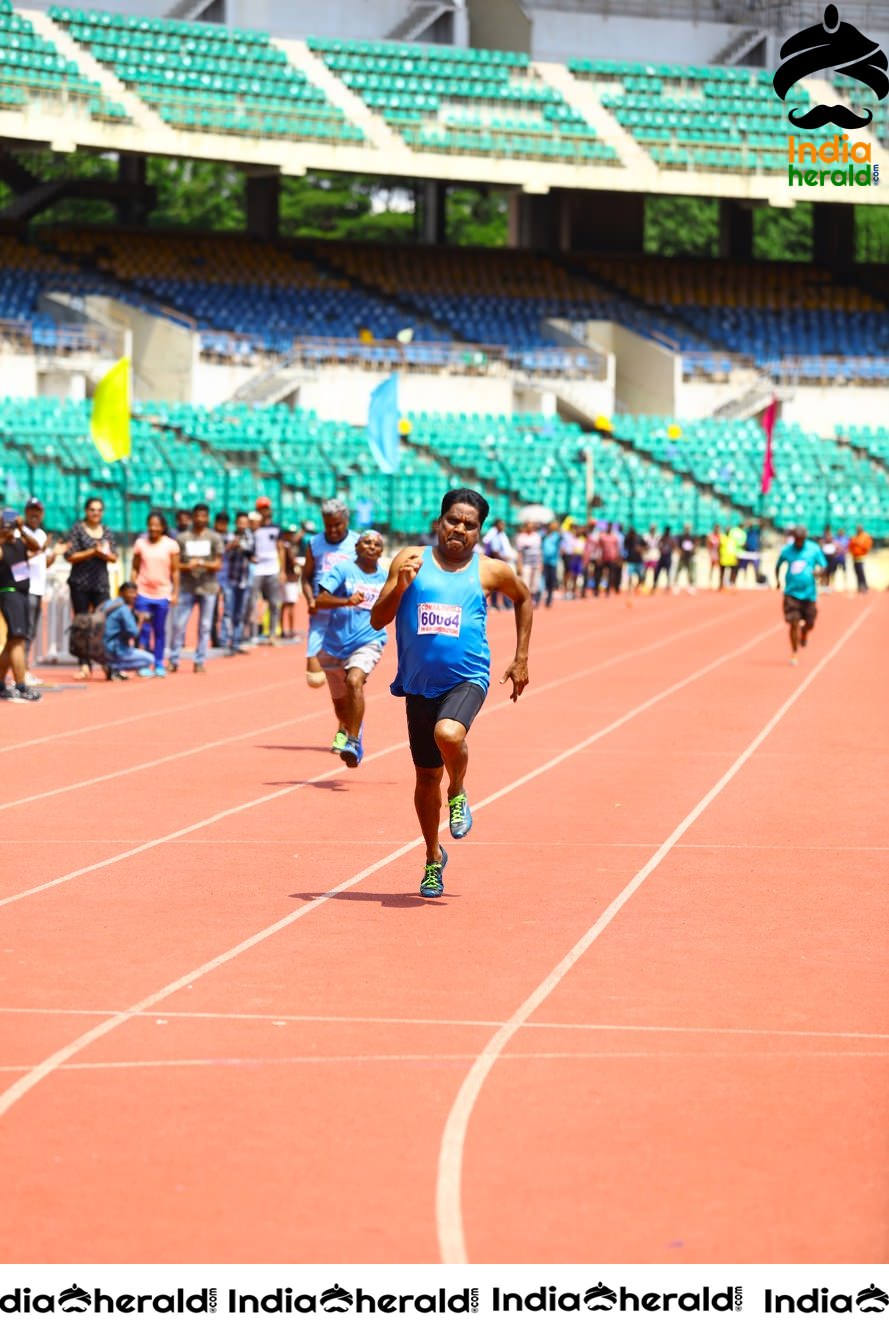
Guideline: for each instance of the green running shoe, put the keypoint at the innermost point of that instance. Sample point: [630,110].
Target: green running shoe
[459,815]
[432,883]
[339,742]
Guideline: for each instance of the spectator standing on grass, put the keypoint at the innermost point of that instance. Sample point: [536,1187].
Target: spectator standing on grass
[156,577]
[39,560]
[267,568]
[550,546]
[238,563]
[859,545]
[122,626]
[200,556]
[15,548]
[89,550]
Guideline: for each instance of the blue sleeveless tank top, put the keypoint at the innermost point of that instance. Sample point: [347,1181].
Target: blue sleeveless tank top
[441,631]
[326,555]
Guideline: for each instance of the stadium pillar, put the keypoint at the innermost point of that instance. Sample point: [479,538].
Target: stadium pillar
[432,201]
[605,220]
[833,235]
[134,202]
[539,221]
[735,229]
[263,196]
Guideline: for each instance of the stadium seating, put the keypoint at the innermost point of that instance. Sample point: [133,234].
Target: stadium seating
[265,293]
[34,74]
[817,481]
[766,311]
[444,100]
[27,273]
[206,77]
[710,118]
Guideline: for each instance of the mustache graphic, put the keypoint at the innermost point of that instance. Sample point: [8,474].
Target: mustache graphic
[843,116]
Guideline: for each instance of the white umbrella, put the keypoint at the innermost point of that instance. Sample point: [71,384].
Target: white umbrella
[536,514]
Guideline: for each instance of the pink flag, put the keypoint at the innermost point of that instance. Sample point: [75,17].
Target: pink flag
[768,465]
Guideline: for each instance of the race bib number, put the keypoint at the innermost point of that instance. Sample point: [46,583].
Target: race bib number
[798,566]
[331,558]
[198,549]
[438,618]
[21,571]
[370,592]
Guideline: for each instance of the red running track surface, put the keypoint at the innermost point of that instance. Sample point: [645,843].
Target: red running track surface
[646,1021]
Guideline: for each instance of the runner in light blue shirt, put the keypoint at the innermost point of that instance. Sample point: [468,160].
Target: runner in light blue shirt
[351,646]
[802,558]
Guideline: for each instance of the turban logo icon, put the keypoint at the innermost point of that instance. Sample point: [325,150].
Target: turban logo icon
[831,44]
[75,1299]
[336,1300]
[872,1299]
[600,1297]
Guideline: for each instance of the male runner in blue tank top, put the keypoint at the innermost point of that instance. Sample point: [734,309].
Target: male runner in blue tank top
[436,596]
[326,549]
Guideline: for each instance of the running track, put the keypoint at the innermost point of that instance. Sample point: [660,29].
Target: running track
[647,1023]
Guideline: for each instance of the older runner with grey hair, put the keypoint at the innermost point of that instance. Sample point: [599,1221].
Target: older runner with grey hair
[326,550]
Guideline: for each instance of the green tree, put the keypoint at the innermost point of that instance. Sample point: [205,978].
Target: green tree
[783,233]
[675,225]
[871,234]
[207,196]
[476,216]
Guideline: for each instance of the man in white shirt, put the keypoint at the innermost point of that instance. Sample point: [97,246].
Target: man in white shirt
[38,563]
[267,567]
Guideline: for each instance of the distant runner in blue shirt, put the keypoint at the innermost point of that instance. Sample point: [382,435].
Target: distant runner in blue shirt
[326,549]
[351,647]
[437,597]
[802,558]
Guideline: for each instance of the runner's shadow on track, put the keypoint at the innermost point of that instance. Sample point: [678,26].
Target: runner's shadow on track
[329,784]
[384,899]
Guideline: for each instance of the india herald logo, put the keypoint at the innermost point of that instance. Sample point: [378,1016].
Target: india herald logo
[439,618]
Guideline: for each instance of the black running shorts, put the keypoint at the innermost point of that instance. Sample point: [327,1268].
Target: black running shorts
[14,610]
[796,609]
[461,704]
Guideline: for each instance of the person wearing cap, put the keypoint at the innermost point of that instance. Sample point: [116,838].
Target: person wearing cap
[39,561]
[15,548]
[351,647]
[266,585]
[326,549]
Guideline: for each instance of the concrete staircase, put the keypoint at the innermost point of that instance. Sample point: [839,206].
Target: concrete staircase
[138,111]
[582,96]
[353,107]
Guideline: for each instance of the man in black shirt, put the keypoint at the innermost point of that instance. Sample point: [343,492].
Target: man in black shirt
[15,584]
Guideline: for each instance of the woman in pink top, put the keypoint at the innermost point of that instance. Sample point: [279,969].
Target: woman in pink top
[156,574]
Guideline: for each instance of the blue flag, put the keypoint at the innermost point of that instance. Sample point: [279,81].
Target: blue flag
[382,424]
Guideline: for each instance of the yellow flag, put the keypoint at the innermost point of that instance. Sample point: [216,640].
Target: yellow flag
[110,424]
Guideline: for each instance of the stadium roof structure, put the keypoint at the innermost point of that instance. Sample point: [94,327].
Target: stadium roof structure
[86,79]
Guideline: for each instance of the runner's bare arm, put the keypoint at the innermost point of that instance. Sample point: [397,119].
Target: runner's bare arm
[308,574]
[498,574]
[402,573]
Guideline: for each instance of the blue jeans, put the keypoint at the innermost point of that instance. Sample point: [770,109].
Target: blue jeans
[187,602]
[236,600]
[153,633]
[131,659]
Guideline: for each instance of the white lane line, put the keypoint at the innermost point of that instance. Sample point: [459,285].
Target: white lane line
[17,1090]
[322,712]
[436,1058]
[379,754]
[143,717]
[449,1206]
[358,1019]
[600,631]
[165,759]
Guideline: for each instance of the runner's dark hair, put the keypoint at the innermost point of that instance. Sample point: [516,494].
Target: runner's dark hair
[464,496]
